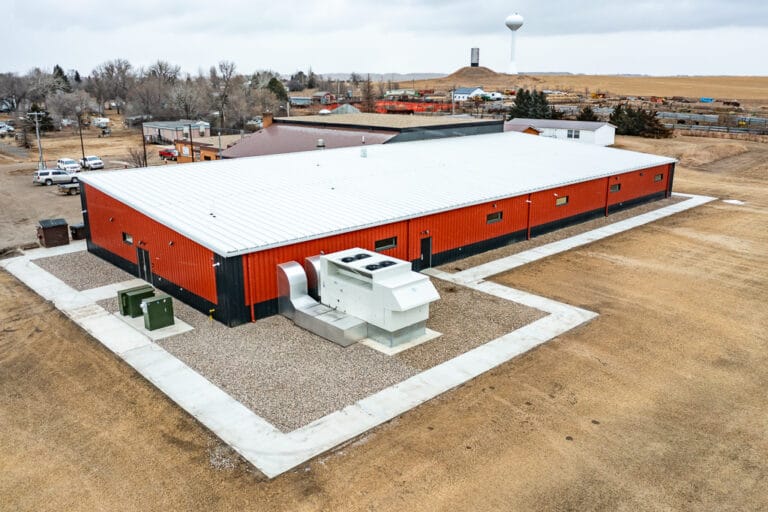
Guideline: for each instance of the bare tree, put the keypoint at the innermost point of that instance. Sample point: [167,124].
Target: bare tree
[164,71]
[223,80]
[369,102]
[13,89]
[136,157]
[66,104]
[189,97]
[117,80]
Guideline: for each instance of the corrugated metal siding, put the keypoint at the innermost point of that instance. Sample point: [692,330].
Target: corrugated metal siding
[582,198]
[184,263]
[465,226]
[260,267]
[638,184]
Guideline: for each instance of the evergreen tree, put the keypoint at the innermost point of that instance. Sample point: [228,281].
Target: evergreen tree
[587,114]
[62,82]
[311,79]
[644,123]
[77,78]
[277,88]
[532,105]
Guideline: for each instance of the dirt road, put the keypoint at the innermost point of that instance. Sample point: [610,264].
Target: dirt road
[658,404]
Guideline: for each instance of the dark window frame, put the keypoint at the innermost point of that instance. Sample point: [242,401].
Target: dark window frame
[561,201]
[127,238]
[493,218]
[658,177]
[615,187]
[385,244]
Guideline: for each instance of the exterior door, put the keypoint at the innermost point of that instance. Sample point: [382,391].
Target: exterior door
[145,265]
[426,253]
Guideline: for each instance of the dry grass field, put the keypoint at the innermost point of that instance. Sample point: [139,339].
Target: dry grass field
[753,89]
[657,404]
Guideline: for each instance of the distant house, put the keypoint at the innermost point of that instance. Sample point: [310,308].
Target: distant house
[300,101]
[323,97]
[466,93]
[160,132]
[528,128]
[586,132]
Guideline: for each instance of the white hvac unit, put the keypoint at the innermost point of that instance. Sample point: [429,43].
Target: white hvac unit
[379,289]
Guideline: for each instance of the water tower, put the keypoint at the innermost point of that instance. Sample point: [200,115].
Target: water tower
[513,23]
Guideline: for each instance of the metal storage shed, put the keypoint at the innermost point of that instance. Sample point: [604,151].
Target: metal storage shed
[212,234]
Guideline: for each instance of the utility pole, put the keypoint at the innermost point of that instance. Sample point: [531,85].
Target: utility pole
[144,145]
[191,144]
[40,161]
[80,130]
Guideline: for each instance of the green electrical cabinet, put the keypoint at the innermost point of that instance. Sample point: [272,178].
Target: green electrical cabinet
[158,312]
[130,299]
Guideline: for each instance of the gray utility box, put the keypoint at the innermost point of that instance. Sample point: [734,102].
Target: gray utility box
[130,303]
[158,312]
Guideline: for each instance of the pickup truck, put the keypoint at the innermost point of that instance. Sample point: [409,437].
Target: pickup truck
[69,189]
[91,163]
[168,153]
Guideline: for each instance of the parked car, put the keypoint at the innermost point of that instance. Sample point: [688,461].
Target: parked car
[91,163]
[67,164]
[168,153]
[50,176]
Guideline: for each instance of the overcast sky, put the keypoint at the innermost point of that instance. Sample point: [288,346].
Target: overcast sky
[656,37]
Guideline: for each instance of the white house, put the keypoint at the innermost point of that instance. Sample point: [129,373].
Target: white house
[586,132]
[465,93]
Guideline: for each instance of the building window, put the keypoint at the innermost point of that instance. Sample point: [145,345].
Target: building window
[387,243]
[574,134]
[127,238]
[658,177]
[615,187]
[493,217]
[561,201]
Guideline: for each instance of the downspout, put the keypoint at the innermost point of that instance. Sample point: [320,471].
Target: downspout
[530,202]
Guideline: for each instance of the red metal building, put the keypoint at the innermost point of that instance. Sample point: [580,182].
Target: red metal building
[212,234]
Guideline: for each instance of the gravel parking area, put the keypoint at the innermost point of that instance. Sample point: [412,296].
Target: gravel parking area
[82,270]
[292,377]
[554,236]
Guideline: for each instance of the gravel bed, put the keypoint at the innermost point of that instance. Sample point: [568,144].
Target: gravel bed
[82,270]
[282,372]
[292,377]
[554,236]
[467,318]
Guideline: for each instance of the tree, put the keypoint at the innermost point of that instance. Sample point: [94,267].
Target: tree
[355,79]
[137,157]
[77,78]
[223,82]
[62,82]
[587,114]
[532,105]
[13,89]
[66,104]
[189,97]
[369,101]
[644,123]
[311,79]
[298,81]
[277,88]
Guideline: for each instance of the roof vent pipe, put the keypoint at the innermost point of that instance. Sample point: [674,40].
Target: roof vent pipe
[320,144]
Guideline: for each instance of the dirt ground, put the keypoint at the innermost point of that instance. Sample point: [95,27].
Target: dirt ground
[24,204]
[657,404]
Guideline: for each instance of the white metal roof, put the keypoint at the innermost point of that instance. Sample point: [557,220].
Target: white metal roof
[251,204]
